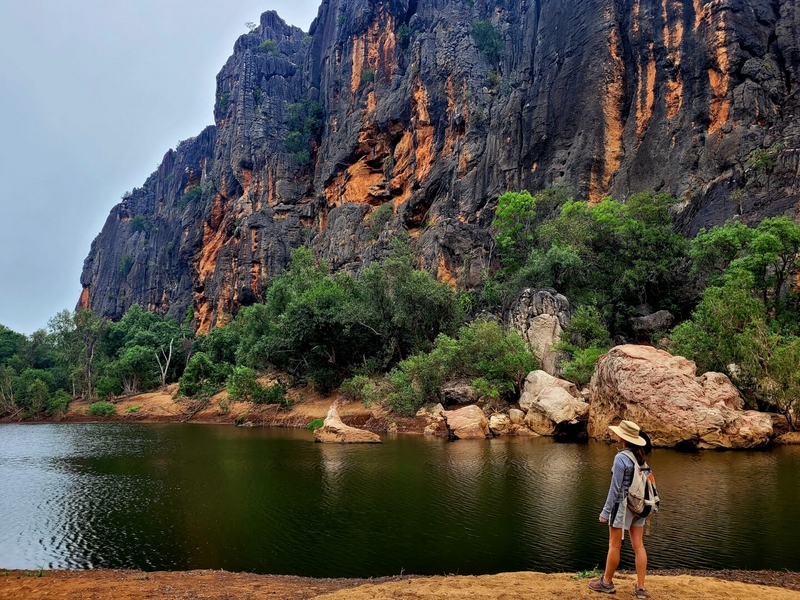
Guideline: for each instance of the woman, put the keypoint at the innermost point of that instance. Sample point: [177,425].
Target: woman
[617,514]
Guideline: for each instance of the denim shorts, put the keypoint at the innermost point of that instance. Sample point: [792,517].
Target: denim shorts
[631,520]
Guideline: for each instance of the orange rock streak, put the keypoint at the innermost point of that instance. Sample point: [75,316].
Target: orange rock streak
[719,79]
[612,105]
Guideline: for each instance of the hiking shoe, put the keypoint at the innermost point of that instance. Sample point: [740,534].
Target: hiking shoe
[598,585]
[639,592]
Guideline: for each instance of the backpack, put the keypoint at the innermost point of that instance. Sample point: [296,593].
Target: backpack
[643,499]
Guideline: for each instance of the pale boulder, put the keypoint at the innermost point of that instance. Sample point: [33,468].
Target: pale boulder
[505,424]
[500,424]
[517,416]
[665,397]
[468,422]
[333,431]
[537,381]
[553,409]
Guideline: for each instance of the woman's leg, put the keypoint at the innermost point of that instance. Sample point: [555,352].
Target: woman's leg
[614,545]
[641,554]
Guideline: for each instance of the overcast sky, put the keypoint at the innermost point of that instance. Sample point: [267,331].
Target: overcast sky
[92,95]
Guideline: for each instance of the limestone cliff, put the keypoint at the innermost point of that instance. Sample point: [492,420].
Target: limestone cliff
[392,102]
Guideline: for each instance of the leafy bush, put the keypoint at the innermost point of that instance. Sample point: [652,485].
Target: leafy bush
[582,343]
[223,99]
[316,424]
[361,388]
[367,75]
[494,361]
[270,46]
[403,35]
[244,385]
[378,219]
[202,376]
[138,224]
[488,40]
[108,387]
[58,403]
[101,409]
[125,265]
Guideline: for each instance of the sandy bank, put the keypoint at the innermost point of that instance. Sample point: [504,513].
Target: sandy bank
[129,585]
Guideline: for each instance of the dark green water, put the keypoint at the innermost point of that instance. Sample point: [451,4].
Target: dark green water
[272,501]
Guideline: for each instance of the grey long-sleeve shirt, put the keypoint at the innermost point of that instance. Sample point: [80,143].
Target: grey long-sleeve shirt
[621,478]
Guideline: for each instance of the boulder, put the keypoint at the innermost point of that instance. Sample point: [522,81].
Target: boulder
[468,422]
[459,393]
[553,410]
[434,412]
[504,424]
[333,431]
[665,397]
[500,424]
[540,317]
[791,438]
[649,324]
[517,416]
[537,381]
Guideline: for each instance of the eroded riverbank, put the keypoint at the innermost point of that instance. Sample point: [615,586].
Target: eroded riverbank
[213,585]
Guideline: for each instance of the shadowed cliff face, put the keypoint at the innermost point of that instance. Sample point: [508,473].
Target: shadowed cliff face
[391,102]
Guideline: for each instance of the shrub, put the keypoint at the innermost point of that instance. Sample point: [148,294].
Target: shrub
[58,403]
[495,362]
[361,388]
[316,424]
[367,75]
[379,218]
[488,40]
[139,224]
[223,100]
[403,35]
[269,46]
[133,409]
[125,265]
[202,376]
[101,409]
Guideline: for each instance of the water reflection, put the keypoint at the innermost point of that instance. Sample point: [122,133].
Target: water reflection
[179,497]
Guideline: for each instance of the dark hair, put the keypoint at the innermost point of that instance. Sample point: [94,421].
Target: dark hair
[641,452]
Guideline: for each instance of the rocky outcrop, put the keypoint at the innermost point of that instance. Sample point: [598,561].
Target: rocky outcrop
[674,406]
[540,317]
[394,104]
[467,423]
[659,321]
[333,431]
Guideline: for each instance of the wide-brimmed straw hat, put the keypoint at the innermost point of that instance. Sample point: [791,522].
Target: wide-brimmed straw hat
[629,431]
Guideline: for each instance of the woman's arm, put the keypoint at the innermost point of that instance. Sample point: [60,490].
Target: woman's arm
[615,489]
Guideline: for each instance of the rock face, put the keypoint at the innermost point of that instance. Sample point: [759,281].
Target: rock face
[333,431]
[467,423]
[394,103]
[540,317]
[664,396]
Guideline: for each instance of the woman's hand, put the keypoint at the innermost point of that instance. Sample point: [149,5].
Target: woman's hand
[603,520]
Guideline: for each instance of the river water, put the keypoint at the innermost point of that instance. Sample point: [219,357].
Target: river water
[167,497]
